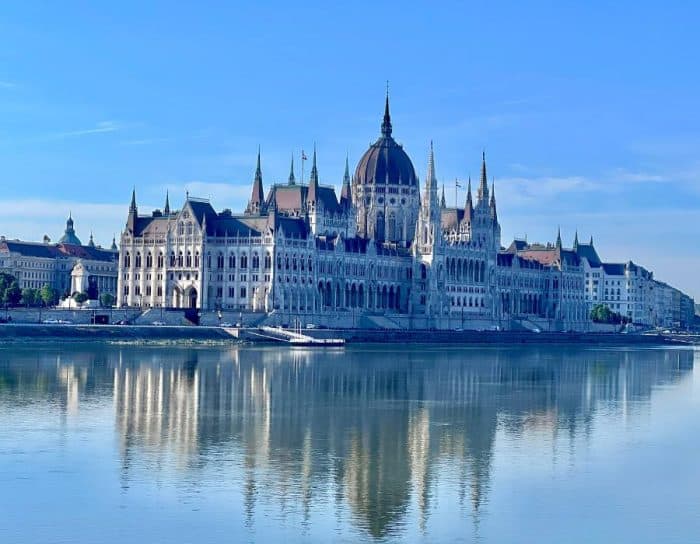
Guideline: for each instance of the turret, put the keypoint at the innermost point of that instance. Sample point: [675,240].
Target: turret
[312,195]
[558,238]
[345,196]
[166,208]
[443,202]
[133,213]
[257,197]
[492,202]
[469,206]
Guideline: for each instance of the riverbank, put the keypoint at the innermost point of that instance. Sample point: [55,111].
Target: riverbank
[146,333]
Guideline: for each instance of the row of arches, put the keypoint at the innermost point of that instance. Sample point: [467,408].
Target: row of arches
[467,270]
[332,295]
[526,303]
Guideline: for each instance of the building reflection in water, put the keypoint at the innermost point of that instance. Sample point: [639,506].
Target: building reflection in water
[369,429]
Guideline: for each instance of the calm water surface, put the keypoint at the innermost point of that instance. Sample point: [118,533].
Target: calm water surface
[419,444]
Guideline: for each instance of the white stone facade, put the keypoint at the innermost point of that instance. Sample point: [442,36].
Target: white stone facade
[384,254]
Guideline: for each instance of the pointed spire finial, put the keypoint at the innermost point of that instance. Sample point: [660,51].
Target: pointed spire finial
[257,197]
[132,207]
[313,179]
[559,237]
[430,181]
[576,239]
[166,208]
[591,242]
[386,124]
[292,180]
[483,192]
[443,202]
[345,196]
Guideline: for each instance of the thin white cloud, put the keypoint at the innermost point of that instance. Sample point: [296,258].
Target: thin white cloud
[145,141]
[100,128]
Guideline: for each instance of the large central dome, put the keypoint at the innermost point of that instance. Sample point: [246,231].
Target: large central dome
[385,162]
[385,190]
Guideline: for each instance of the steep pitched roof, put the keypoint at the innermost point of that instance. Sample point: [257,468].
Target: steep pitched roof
[588,252]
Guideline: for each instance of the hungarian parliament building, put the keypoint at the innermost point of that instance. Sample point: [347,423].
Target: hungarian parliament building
[386,253]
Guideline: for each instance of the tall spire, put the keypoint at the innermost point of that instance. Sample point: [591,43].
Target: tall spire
[386,124]
[431,190]
[257,197]
[132,207]
[313,180]
[166,208]
[345,192]
[558,237]
[576,240]
[91,242]
[114,243]
[483,192]
[443,202]
[492,202]
[291,180]
[591,242]
[431,179]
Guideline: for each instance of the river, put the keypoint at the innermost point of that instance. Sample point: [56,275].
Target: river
[120,443]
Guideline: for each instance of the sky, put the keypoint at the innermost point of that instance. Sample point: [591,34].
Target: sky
[588,112]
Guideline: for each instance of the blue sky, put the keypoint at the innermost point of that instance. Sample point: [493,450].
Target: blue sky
[589,114]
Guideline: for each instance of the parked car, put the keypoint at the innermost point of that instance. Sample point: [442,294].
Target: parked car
[225,324]
[64,322]
[50,321]
[158,323]
[122,322]
[310,326]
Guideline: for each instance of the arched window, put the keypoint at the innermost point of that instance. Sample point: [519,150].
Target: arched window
[189,228]
[127,260]
[196,259]
[311,268]
[179,259]
[255,261]
[149,260]
[160,260]
[244,261]
[232,261]
[138,260]
[268,261]
[181,229]
[188,259]
[380,226]
[220,261]
[172,258]
[391,227]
